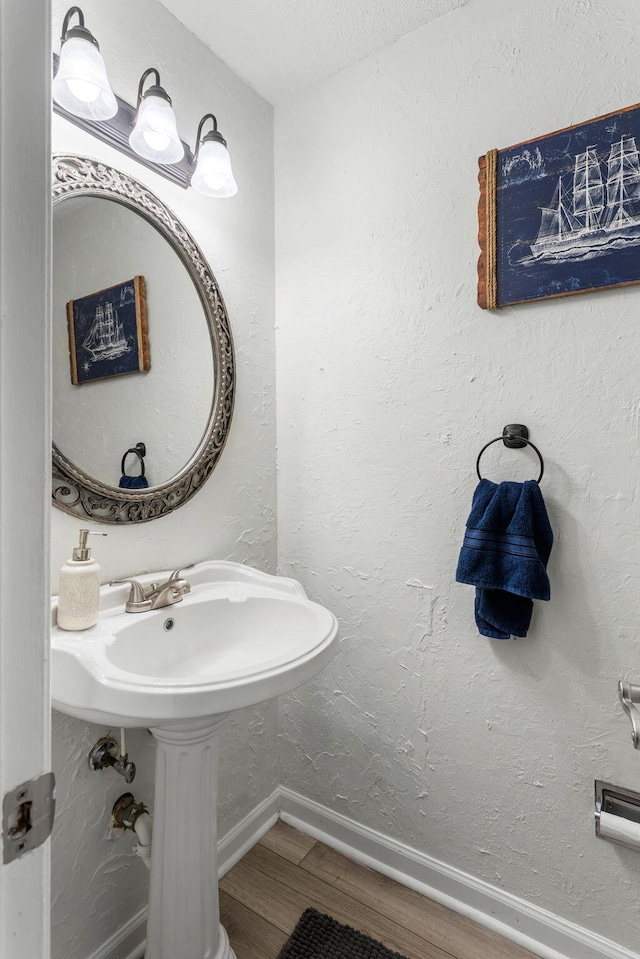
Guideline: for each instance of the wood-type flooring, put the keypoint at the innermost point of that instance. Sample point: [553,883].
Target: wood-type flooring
[263,896]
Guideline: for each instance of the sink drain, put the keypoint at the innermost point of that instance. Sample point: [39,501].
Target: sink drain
[169,624]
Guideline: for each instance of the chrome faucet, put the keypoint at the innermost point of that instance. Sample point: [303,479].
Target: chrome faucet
[156,595]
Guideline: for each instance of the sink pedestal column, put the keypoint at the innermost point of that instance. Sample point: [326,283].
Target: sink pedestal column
[184,916]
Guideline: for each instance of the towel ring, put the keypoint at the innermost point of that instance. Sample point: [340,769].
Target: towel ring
[139,450]
[514,438]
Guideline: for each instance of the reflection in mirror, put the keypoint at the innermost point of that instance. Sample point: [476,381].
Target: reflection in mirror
[142,351]
[98,243]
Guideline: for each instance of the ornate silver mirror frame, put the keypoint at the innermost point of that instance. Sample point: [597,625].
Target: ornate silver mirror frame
[73,490]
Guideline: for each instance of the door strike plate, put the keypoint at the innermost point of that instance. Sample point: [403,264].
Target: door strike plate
[27,816]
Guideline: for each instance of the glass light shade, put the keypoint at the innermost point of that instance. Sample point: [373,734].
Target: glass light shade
[81,85]
[212,175]
[155,135]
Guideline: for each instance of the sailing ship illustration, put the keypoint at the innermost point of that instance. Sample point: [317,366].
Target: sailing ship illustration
[594,215]
[106,339]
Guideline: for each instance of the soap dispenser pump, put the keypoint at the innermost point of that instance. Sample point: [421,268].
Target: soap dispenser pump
[79,590]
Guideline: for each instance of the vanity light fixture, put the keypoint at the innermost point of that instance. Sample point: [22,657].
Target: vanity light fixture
[148,132]
[81,86]
[213,175]
[155,134]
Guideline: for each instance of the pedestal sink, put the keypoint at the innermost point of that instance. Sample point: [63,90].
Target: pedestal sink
[238,638]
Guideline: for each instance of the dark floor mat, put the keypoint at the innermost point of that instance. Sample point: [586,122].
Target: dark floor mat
[320,937]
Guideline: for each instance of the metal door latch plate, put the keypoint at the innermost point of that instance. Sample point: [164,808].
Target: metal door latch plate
[27,816]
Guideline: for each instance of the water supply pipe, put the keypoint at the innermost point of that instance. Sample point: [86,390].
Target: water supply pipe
[129,814]
[143,828]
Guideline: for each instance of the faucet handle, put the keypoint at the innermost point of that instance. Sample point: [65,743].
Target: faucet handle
[176,572]
[137,594]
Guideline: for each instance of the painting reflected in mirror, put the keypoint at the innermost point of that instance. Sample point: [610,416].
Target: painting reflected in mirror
[108,332]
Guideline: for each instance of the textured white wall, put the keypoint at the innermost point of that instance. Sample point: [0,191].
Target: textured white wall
[390,379]
[97,884]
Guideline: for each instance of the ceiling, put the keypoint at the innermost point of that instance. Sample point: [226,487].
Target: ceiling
[280,47]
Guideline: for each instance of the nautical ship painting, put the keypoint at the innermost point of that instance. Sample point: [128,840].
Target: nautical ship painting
[568,211]
[106,339]
[108,332]
[593,216]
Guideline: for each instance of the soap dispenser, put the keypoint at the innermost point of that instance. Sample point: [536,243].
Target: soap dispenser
[79,590]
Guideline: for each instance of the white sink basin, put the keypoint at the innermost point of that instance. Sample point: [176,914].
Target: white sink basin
[238,638]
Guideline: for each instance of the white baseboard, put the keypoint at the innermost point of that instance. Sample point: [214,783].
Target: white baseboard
[239,840]
[531,927]
[128,942]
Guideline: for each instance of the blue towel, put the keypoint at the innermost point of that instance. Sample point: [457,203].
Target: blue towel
[504,555]
[133,482]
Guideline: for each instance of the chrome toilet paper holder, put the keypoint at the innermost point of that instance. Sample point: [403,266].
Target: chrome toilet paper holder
[616,801]
[630,699]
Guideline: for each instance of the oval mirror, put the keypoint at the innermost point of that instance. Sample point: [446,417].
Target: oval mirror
[143,366]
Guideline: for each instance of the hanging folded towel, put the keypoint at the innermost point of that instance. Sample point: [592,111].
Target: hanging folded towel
[134,482]
[504,555]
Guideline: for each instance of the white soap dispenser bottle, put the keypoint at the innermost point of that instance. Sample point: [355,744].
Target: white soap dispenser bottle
[79,590]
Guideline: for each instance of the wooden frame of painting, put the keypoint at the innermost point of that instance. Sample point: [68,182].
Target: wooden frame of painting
[108,332]
[560,214]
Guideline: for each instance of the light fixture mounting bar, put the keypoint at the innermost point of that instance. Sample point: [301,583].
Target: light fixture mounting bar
[115,133]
